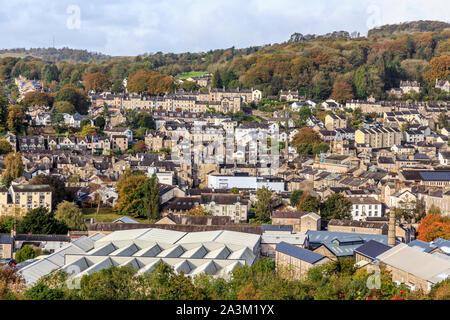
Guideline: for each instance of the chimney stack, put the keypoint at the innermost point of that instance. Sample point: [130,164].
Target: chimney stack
[391,232]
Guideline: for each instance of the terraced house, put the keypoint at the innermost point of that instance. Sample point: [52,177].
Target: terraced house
[20,198]
[378,137]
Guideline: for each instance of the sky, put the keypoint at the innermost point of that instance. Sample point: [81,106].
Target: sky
[132,27]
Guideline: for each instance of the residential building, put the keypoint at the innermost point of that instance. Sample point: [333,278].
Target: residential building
[363,207]
[415,269]
[300,221]
[294,262]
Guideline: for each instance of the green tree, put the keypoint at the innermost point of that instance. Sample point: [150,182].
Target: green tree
[308,203]
[443,120]
[295,197]
[87,130]
[263,207]
[75,96]
[37,98]
[100,122]
[41,221]
[137,195]
[108,284]
[5,147]
[189,86]
[50,73]
[336,206]
[65,107]
[145,120]
[234,190]
[304,113]
[322,147]
[151,197]
[71,215]
[4,101]
[26,253]
[6,224]
[14,168]
[41,291]
[404,127]
[217,80]
[117,86]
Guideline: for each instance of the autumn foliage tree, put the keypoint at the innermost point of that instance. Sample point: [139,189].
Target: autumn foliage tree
[140,147]
[14,168]
[37,98]
[305,139]
[439,68]
[138,195]
[150,82]
[5,146]
[434,226]
[198,211]
[342,91]
[16,117]
[97,81]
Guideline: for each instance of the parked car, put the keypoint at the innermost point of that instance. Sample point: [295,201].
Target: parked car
[9,261]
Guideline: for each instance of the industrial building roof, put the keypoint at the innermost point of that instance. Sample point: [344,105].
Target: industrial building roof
[342,243]
[292,238]
[214,252]
[423,265]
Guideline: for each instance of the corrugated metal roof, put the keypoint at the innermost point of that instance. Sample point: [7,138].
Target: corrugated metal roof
[142,247]
[423,265]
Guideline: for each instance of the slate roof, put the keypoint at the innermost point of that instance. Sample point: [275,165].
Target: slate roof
[270,227]
[299,253]
[444,245]
[435,175]
[427,247]
[354,223]
[31,188]
[5,239]
[288,214]
[372,249]
[342,243]
[125,219]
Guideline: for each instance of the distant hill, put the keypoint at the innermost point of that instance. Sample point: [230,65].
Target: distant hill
[55,55]
[409,27]
[298,37]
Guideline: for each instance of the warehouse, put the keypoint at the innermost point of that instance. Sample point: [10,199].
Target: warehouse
[213,252]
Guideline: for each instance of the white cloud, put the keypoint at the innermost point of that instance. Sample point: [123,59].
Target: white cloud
[135,26]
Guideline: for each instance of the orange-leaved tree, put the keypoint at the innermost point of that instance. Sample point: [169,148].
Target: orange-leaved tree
[439,69]
[434,226]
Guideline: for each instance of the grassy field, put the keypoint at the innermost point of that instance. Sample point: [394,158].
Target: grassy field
[105,215]
[186,75]
[14,55]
